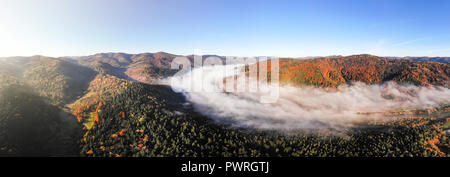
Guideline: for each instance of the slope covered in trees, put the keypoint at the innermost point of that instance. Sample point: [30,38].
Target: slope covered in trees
[103,87]
[30,126]
[33,91]
[145,67]
[334,71]
[151,120]
[121,117]
[425,59]
[58,80]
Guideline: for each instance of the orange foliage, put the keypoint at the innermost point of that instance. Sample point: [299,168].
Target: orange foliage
[96,119]
[79,118]
[433,142]
[122,132]
[140,147]
[90,152]
[334,71]
[145,138]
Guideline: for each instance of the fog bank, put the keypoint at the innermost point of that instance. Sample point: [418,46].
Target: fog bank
[301,107]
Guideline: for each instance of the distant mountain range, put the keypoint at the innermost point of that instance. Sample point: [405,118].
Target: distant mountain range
[150,67]
[435,59]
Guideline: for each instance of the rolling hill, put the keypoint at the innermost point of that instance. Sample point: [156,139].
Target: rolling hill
[110,105]
[145,67]
[425,59]
[58,80]
[335,71]
[31,126]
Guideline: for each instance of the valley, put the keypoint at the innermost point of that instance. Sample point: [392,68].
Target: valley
[116,105]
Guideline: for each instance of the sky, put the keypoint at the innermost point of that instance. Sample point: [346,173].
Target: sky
[283,28]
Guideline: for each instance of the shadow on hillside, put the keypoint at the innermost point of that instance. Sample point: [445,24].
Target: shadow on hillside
[31,127]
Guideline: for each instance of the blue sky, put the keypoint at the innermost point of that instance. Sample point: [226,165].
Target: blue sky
[226,27]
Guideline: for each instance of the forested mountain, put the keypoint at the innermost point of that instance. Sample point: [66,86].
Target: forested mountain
[58,80]
[145,67]
[110,105]
[335,71]
[435,59]
[30,126]
[151,120]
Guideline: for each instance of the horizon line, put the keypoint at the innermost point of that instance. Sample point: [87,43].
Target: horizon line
[139,53]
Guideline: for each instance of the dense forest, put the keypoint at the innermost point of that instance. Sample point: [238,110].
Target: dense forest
[30,126]
[59,81]
[110,105]
[143,121]
[335,71]
[424,59]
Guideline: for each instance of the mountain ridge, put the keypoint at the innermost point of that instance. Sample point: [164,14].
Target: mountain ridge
[335,71]
[126,113]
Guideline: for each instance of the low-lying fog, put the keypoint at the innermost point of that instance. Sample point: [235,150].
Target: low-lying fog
[300,107]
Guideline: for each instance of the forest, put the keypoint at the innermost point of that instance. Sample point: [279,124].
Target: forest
[142,121]
[110,105]
[31,126]
[335,71]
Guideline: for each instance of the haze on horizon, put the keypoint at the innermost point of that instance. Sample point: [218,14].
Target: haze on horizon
[233,28]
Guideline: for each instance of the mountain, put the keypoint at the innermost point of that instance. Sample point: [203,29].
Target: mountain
[111,105]
[335,71]
[30,126]
[59,80]
[153,121]
[145,67]
[435,59]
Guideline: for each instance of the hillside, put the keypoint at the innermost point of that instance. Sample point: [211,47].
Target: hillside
[152,121]
[425,59]
[103,87]
[335,71]
[115,112]
[145,67]
[58,80]
[29,126]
